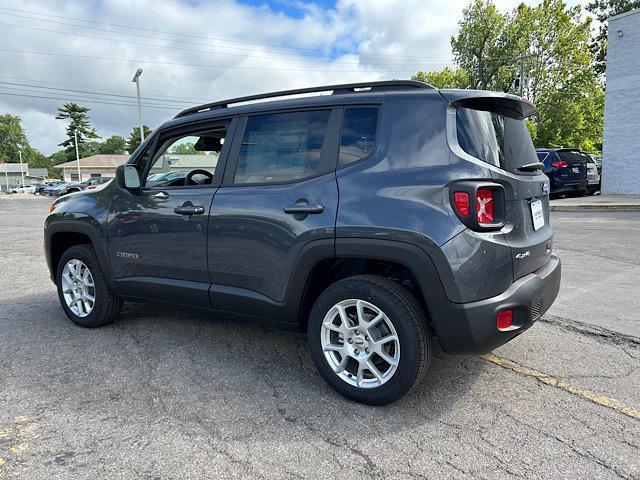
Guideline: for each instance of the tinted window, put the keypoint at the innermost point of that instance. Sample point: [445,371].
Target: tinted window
[571,156]
[359,129]
[281,147]
[496,139]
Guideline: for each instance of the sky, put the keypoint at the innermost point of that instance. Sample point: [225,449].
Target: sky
[198,51]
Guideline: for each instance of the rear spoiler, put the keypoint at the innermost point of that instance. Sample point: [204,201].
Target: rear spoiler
[502,103]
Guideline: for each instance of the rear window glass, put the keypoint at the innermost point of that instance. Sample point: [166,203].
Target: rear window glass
[499,140]
[359,130]
[571,157]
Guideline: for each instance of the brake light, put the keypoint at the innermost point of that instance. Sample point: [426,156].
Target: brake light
[461,202]
[559,164]
[504,319]
[52,207]
[484,206]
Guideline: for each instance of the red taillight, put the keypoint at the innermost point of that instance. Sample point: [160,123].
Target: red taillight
[559,164]
[461,202]
[504,319]
[484,206]
[52,207]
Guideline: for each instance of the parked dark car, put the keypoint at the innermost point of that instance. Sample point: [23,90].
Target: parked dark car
[566,169]
[378,219]
[41,189]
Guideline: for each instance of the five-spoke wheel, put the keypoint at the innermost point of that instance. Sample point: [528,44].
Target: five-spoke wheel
[369,339]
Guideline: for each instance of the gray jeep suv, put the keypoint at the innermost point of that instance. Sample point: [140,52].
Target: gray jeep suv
[378,219]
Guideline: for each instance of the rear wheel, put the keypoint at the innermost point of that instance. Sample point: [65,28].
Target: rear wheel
[82,289]
[369,339]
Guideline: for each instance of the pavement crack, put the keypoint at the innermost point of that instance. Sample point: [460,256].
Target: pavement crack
[621,339]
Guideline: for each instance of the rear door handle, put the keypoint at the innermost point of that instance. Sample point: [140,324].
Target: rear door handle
[189,209]
[304,209]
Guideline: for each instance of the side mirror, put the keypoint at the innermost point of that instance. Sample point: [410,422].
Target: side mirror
[127,177]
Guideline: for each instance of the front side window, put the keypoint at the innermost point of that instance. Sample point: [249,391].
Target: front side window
[359,131]
[281,147]
[189,160]
[497,139]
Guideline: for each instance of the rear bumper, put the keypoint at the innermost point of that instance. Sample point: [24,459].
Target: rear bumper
[561,187]
[471,327]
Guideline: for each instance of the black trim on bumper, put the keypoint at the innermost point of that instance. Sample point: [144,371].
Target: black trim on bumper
[471,327]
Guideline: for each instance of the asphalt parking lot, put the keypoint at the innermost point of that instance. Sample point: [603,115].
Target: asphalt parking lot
[170,393]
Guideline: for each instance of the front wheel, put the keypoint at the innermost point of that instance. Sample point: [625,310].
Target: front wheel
[369,339]
[83,291]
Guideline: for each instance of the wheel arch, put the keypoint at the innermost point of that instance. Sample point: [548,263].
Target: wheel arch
[62,234]
[405,263]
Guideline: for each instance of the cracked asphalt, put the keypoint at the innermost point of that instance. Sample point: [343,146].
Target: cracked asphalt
[167,393]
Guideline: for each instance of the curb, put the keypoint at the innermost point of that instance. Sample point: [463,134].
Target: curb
[577,208]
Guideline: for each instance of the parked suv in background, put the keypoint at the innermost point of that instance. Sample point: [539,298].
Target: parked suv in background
[593,175]
[378,219]
[566,169]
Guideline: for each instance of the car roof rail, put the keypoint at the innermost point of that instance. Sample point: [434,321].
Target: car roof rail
[336,89]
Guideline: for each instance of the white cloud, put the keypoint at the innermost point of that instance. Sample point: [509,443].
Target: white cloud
[376,39]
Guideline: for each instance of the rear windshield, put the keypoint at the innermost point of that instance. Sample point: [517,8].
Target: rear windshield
[499,140]
[571,156]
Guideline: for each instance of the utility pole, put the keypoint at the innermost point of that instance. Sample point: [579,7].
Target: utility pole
[21,169]
[75,136]
[136,80]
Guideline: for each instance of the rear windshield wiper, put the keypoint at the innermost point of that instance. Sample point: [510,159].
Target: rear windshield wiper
[531,167]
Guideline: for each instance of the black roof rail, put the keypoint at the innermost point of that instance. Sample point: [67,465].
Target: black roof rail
[337,90]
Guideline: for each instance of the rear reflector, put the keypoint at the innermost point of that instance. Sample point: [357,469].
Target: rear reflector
[484,206]
[504,319]
[461,202]
[559,164]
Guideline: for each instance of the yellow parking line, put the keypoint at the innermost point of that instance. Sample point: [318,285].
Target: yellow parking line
[593,397]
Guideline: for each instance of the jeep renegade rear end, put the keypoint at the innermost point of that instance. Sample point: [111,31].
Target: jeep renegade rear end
[377,219]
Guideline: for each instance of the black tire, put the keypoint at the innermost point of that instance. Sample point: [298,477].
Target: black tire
[409,321]
[107,306]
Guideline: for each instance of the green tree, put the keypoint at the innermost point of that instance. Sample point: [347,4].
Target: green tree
[187,148]
[445,78]
[134,137]
[603,9]
[78,122]
[564,86]
[487,45]
[114,145]
[11,135]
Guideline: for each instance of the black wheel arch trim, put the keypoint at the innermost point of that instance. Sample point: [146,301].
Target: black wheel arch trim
[85,225]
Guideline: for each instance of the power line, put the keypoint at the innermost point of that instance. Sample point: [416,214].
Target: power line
[87,101]
[94,93]
[172,47]
[196,65]
[186,99]
[137,28]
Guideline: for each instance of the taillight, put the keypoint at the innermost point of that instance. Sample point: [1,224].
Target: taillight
[480,205]
[484,206]
[504,319]
[559,164]
[461,202]
[52,207]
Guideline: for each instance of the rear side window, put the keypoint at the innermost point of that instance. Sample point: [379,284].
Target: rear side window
[497,139]
[281,147]
[571,157]
[359,134]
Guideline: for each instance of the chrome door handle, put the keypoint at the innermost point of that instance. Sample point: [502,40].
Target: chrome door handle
[304,209]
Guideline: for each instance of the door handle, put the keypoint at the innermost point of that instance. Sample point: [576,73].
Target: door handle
[188,209]
[304,209]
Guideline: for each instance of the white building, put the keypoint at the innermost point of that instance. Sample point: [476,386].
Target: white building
[621,162]
[12,174]
[93,166]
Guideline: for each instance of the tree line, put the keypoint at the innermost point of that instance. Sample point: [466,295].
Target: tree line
[13,139]
[548,53]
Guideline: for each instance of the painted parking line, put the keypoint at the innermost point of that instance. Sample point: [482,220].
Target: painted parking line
[594,397]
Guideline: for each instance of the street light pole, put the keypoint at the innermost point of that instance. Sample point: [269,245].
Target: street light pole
[75,137]
[21,169]
[136,80]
